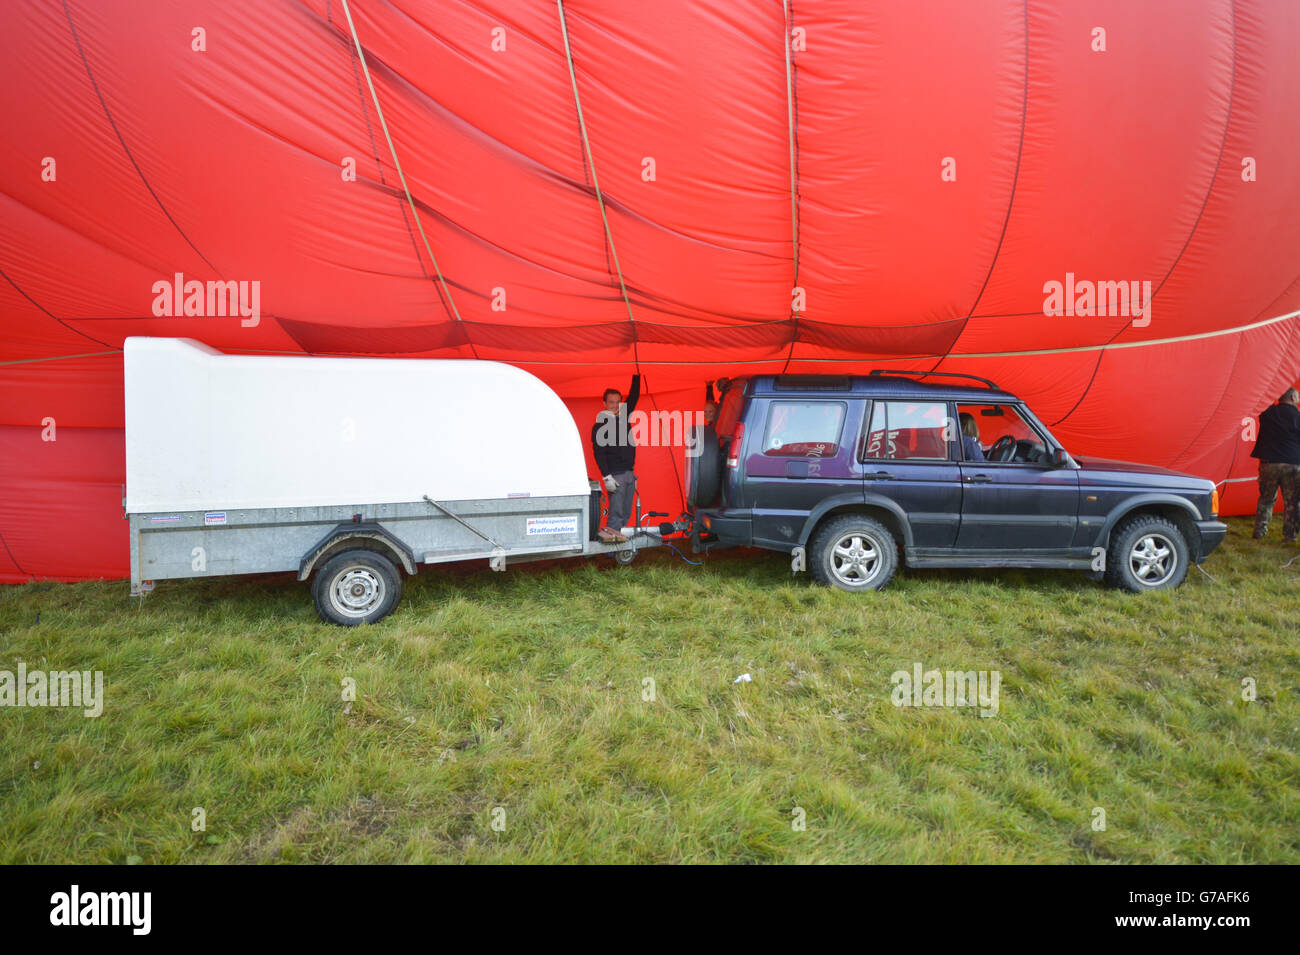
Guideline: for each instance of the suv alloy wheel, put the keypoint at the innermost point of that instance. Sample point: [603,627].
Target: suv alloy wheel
[854,553]
[1147,553]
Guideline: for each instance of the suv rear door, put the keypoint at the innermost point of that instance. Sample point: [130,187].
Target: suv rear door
[798,452]
[909,457]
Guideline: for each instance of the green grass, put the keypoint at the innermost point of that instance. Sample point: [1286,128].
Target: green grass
[524,691]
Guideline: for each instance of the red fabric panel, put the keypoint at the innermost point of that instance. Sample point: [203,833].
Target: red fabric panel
[952,158]
[61,505]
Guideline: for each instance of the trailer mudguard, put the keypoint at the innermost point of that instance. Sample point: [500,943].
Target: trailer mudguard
[358,531]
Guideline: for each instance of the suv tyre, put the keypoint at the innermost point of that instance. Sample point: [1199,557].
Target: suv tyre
[1147,553]
[854,553]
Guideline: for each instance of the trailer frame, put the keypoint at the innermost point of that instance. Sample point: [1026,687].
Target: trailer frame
[213,543]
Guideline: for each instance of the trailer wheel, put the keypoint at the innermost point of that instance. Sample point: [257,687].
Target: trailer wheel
[625,557]
[356,587]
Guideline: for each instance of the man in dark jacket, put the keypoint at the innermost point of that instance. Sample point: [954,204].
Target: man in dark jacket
[1278,450]
[615,454]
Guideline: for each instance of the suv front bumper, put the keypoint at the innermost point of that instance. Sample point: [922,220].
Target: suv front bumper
[1211,534]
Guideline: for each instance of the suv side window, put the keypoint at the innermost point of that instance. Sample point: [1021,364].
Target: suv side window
[908,430]
[803,429]
[997,433]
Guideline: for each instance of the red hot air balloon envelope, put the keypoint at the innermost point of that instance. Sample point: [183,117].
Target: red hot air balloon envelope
[686,189]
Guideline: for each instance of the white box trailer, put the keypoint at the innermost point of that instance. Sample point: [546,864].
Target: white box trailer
[354,469]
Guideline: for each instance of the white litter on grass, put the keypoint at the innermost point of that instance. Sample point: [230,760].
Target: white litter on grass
[743,678]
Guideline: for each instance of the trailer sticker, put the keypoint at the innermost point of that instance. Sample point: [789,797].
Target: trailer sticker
[567,524]
[214,517]
[171,518]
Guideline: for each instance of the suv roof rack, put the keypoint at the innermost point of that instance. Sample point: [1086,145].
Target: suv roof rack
[877,372]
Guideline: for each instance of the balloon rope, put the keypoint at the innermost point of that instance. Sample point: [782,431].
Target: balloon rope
[827,361]
[442,283]
[1111,346]
[92,354]
[1116,346]
[591,165]
[794,180]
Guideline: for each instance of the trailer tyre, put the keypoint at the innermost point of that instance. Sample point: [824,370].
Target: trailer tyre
[356,587]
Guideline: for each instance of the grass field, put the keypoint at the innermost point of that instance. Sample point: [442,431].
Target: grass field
[504,717]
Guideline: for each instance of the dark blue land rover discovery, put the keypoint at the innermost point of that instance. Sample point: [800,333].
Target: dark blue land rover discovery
[846,473]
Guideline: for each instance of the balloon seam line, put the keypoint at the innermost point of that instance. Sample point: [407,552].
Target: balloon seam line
[794,179]
[1107,346]
[595,182]
[76,38]
[397,164]
[29,361]
[1015,183]
[1218,165]
[374,151]
[75,331]
[1211,416]
[14,558]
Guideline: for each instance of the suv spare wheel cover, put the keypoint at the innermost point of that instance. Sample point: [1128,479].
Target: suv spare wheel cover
[704,467]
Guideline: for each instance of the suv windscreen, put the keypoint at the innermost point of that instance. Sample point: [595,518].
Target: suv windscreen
[908,430]
[998,434]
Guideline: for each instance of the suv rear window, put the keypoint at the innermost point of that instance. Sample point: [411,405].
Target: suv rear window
[803,429]
[902,430]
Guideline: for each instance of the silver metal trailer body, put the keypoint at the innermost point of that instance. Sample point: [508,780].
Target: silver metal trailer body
[348,471]
[192,544]
[188,544]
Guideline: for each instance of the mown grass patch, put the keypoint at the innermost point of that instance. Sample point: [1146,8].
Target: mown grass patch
[504,717]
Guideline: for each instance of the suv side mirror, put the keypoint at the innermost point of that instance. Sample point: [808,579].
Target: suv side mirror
[1057,458]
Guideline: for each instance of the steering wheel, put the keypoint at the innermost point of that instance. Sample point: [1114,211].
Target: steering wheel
[1003,449]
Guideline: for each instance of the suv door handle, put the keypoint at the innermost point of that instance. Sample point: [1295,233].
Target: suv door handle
[979,479]
[878,476]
